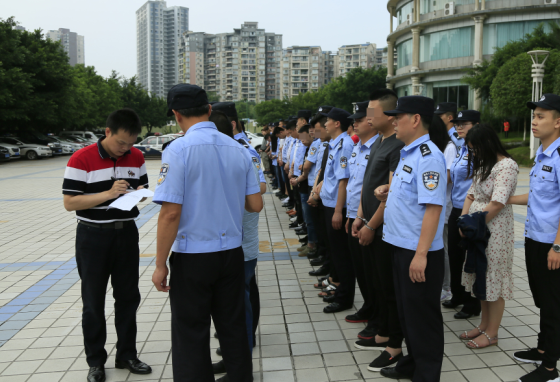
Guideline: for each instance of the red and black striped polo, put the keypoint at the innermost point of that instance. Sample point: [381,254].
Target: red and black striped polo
[89,171]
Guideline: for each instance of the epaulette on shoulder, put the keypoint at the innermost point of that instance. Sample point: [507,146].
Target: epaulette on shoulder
[425,149]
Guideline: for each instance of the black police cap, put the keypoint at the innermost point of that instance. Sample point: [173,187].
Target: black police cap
[446,107]
[413,105]
[324,110]
[185,96]
[339,115]
[467,116]
[228,108]
[305,114]
[548,101]
[361,110]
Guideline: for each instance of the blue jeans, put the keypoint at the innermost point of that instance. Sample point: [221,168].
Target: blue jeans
[249,273]
[306,208]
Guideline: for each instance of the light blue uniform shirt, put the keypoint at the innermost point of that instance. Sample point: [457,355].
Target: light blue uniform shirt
[287,144]
[299,158]
[209,174]
[358,162]
[292,153]
[458,171]
[255,157]
[420,179]
[250,242]
[543,208]
[459,142]
[312,157]
[275,153]
[336,168]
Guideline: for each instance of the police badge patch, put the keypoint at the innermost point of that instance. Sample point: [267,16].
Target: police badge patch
[162,173]
[313,150]
[430,180]
[343,162]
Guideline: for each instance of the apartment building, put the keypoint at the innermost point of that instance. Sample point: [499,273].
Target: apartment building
[303,69]
[437,40]
[356,56]
[159,31]
[243,64]
[381,57]
[72,43]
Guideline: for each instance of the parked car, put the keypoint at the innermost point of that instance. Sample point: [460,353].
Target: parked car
[70,140]
[84,134]
[41,139]
[67,146]
[255,140]
[28,150]
[152,146]
[4,154]
[13,150]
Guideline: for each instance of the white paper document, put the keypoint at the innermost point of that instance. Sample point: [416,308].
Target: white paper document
[129,200]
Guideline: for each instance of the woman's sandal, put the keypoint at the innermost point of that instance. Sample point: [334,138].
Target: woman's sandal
[465,336]
[323,284]
[328,291]
[477,346]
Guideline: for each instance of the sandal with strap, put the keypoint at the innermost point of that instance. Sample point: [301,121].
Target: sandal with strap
[477,346]
[326,294]
[323,284]
[465,336]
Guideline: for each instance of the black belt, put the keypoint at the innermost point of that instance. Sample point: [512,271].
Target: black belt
[113,225]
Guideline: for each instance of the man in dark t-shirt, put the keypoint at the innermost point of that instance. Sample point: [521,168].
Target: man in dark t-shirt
[383,331]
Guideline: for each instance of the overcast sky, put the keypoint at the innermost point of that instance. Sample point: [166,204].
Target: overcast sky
[109,26]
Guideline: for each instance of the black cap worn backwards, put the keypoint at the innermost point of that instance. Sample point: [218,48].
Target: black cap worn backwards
[467,116]
[324,110]
[339,115]
[305,114]
[548,101]
[446,107]
[413,105]
[361,110]
[185,96]
[228,108]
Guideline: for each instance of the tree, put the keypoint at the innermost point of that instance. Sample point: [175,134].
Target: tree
[480,78]
[213,97]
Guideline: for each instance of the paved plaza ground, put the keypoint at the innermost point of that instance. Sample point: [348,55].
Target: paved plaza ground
[40,305]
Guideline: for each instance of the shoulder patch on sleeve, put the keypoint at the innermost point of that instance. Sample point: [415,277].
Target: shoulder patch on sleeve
[343,162]
[425,149]
[430,180]
[162,173]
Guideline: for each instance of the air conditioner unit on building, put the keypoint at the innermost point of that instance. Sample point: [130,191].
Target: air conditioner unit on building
[449,9]
[550,2]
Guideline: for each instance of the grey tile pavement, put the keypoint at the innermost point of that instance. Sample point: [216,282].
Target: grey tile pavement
[40,306]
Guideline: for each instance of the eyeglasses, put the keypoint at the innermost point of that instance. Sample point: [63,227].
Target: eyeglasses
[463,125]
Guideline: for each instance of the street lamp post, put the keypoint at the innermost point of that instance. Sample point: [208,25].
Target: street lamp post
[539,58]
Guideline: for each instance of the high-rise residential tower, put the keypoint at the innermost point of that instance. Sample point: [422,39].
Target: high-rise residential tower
[72,43]
[159,30]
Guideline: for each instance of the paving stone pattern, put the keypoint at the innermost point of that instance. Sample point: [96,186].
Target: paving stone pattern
[40,305]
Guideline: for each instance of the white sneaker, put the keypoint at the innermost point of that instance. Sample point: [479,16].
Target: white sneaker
[285,200]
[293,219]
[445,295]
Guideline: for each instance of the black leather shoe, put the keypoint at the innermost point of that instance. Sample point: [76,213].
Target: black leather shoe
[219,367]
[464,315]
[335,307]
[323,271]
[450,304]
[295,225]
[303,240]
[391,372]
[219,351]
[96,374]
[329,299]
[312,254]
[135,366]
[301,232]
[318,261]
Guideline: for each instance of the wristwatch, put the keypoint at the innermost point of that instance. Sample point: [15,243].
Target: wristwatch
[556,248]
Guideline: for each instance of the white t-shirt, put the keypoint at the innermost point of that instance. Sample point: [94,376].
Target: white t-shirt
[450,154]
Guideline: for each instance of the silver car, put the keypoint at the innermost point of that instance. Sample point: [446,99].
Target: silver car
[68,147]
[13,149]
[29,150]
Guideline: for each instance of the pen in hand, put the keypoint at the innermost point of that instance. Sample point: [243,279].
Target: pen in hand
[128,188]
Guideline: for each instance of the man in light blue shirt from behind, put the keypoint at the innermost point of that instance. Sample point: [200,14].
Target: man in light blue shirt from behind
[206,182]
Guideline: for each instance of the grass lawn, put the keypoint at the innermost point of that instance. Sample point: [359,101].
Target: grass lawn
[521,156]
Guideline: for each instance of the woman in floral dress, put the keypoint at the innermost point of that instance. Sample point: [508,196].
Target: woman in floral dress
[494,176]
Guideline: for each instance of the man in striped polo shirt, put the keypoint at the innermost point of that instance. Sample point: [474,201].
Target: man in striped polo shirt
[107,238]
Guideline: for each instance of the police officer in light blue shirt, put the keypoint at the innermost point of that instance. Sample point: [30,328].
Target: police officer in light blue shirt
[447,111]
[542,238]
[333,196]
[459,187]
[206,182]
[413,224]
